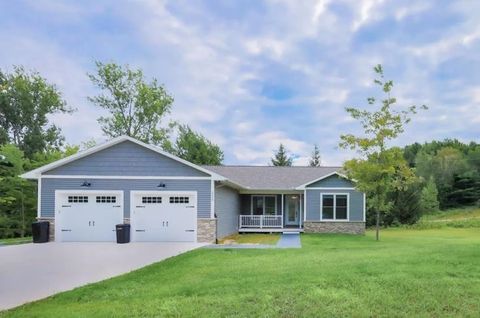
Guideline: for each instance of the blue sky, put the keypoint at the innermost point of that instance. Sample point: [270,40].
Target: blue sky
[252,74]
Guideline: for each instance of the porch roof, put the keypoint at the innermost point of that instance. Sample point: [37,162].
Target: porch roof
[272,178]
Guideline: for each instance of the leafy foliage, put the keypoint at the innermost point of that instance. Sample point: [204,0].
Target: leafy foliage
[18,197]
[26,100]
[453,166]
[429,197]
[281,157]
[380,171]
[136,107]
[315,160]
[194,147]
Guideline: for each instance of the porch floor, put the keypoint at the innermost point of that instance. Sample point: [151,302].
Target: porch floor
[270,230]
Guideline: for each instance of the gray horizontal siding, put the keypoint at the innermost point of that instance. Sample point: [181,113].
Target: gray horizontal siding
[227,210]
[126,159]
[50,185]
[332,182]
[355,204]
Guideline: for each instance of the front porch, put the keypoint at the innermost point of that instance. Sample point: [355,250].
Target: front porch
[271,213]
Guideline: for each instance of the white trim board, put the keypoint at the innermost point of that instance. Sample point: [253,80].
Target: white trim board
[303,186]
[212,199]
[36,173]
[273,192]
[330,188]
[64,176]
[39,197]
[364,207]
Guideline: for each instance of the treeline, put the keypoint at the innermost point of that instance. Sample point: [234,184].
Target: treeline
[448,176]
[135,106]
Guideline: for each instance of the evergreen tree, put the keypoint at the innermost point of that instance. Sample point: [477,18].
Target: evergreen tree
[315,161]
[281,157]
[429,197]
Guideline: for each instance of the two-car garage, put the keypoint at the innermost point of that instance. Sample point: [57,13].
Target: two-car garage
[155,216]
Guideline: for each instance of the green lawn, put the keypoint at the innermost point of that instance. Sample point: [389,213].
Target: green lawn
[420,273]
[466,217]
[15,241]
[466,213]
[252,238]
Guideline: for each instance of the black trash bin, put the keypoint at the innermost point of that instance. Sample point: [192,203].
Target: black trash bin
[40,232]
[123,233]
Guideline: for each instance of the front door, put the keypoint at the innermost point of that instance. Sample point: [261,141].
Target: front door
[292,209]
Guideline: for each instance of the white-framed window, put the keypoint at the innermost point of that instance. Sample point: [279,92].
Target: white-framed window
[334,206]
[263,205]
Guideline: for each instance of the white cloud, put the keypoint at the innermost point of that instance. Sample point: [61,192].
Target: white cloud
[365,13]
[217,68]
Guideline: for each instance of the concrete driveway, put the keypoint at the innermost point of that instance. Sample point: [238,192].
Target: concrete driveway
[30,272]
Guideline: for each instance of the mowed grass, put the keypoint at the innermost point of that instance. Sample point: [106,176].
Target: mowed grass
[16,240]
[252,238]
[409,273]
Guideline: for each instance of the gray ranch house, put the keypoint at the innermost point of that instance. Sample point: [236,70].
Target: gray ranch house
[166,198]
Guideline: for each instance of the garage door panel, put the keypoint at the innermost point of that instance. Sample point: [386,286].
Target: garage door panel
[88,216]
[164,216]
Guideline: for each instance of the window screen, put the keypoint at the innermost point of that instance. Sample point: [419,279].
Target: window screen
[327,207]
[341,207]
[270,205]
[257,205]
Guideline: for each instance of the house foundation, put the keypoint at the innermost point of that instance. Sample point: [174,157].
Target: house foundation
[334,227]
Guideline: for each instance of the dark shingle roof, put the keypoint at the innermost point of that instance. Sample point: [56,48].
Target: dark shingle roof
[271,178]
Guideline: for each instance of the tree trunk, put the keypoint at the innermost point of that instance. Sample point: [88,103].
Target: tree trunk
[377,227]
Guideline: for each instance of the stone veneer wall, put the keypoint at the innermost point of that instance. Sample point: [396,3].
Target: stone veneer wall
[334,227]
[206,230]
[51,228]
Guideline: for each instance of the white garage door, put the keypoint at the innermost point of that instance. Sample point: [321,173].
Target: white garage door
[87,215]
[163,216]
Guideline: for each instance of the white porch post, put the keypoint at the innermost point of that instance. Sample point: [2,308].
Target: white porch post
[283,212]
[304,205]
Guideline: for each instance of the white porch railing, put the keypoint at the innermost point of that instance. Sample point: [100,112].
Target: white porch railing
[261,221]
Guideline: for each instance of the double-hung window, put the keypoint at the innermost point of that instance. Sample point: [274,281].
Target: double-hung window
[264,205]
[334,206]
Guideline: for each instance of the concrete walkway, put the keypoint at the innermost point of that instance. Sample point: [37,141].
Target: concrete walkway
[285,241]
[30,272]
[289,241]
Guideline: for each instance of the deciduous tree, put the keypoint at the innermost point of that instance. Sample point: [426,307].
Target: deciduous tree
[194,147]
[26,101]
[380,169]
[135,107]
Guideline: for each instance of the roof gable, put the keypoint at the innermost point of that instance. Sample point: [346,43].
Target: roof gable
[122,156]
[335,180]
